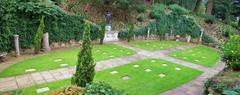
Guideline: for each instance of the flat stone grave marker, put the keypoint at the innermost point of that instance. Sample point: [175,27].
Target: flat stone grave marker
[98,50]
[42,90]
[30,70]
[111,56]
[148,70]
[63,65]
[164,65]
[161,75]
[196,60]
[153,61]
[114,72]
[125,78]
[136,66]
[58,60]
[178,69]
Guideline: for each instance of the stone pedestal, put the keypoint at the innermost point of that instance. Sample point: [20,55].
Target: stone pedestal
[108,28]
[111,37]
[148,33]
[188,38]
[45,43]
[177,37]
[16,44]
[166,36]
[200,39]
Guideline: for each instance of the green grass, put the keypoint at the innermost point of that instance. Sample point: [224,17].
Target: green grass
[69,56]
[201,55]
[140,82]
[156,45]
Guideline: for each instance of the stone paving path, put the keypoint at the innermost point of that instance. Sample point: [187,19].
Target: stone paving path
[191,88]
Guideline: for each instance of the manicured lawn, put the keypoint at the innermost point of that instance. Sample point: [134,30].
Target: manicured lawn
[57,58]
[201,55]
[156,45]
[140,82]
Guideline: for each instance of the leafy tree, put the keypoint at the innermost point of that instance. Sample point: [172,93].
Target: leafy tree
[227,10]
[231,52]
[38,36]
[85,67]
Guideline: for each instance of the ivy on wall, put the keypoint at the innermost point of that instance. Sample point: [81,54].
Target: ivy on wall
[22,17]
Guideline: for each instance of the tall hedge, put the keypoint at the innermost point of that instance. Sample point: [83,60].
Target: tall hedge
[23,16]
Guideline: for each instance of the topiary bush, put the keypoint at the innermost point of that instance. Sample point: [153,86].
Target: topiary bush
[140,17]
[210,19]
[85,70]
[102,32]
[102,88]
[130,32]
[231,52]
[38,36]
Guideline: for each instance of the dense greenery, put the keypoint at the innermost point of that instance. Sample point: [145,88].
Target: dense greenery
[231,52]
[102,88]
[38,36]
[85,70]
[22,17]
[172,20]
[99,88]
[224,83]
[102,32]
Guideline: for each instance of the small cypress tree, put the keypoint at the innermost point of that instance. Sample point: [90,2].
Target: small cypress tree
[38,36]
[102,32]
[130,32]
[85,67]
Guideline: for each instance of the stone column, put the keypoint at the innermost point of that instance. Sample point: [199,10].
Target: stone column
[16,44]
[166,36]
[45,44]
[148,33]
[200,39]
[189,38]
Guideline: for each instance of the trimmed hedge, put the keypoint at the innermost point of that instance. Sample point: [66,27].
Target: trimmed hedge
[24,18]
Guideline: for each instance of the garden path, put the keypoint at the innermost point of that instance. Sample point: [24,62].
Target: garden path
[193,87]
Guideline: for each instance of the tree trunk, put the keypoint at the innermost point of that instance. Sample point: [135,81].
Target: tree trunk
[197,6]
[209,7]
